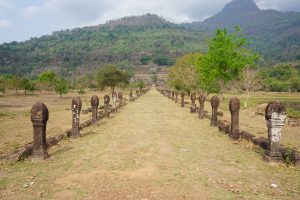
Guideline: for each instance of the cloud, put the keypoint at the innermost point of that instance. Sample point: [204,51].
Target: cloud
[4,24]
[281,5]
[31,11]
[5,3]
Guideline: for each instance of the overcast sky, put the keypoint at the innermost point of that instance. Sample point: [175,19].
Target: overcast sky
[22,19]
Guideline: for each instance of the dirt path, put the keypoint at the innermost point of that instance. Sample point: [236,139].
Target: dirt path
[152,149]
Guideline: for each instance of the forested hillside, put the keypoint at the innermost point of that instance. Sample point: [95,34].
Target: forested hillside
[127,41]
[139,40]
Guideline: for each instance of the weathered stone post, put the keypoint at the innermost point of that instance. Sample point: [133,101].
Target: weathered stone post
[173,95]
[114,99]
[275,115]
[120,97]
[106,105]
[137,93]
[94,104]
[182,99]
[193,102]
[39,118]
[234,107]
[201,106]
[130,95]
[76,108]
[214,105]
[176,97]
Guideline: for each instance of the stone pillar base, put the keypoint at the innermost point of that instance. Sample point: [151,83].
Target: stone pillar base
[273,156]
[40,154]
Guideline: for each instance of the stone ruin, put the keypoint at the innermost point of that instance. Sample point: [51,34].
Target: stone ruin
[39,118]
[76,108]
[114,99]
[201,105]
[94,104]
[182,99]
[106,105]
[193,102]
[214,115]
[120,98]
[275,116]
[234,107]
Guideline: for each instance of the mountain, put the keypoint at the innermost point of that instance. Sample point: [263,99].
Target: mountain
[126,42]
[275,35]
[136,40]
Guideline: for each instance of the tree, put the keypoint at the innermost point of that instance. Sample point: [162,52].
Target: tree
[61,86]
[3,84]
[227,56]
[183,75]
[47,79]
[140,84]
[111,76]
[250,82]
[153,75]
[28,85]
[16,82]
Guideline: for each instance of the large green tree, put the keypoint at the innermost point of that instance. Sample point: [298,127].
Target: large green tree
[61,86]
[111,76]
[227,56]
[183,75]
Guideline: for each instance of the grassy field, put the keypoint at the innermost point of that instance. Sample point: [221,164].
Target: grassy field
[151,149]
[15,124]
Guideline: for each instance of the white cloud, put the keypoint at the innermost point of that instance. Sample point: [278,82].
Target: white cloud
[4,24]
[282,5]
[31,11]
[5,3]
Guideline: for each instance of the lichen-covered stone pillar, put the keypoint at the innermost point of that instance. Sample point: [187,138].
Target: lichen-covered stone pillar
[120,97]
[201,105]
[114,99]
[94,104]
[39,118]
[234,107]
[214,115]
[182,99]
[106,105]
[176,97]
[193,102]
[76,108]
[275,116]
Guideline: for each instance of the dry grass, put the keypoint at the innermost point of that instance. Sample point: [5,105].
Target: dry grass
[15,124]
[152,149]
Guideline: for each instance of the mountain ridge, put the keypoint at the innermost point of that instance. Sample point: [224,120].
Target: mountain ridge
[125,41]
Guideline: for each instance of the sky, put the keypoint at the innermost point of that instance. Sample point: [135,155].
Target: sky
[22,19]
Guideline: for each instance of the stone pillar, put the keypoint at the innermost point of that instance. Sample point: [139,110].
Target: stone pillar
[193,102]
[173,95]
[120,97]
[106,105]
[94,104]
[176,97]
[275,116]
[182,99]
[214,105]
[130,95]
[76,108]
[114,99]
[234,107]
[39,118]
[201,105]
[137,93]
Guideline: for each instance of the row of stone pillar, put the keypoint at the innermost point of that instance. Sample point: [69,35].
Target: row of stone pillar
[274,114]
[40,116]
